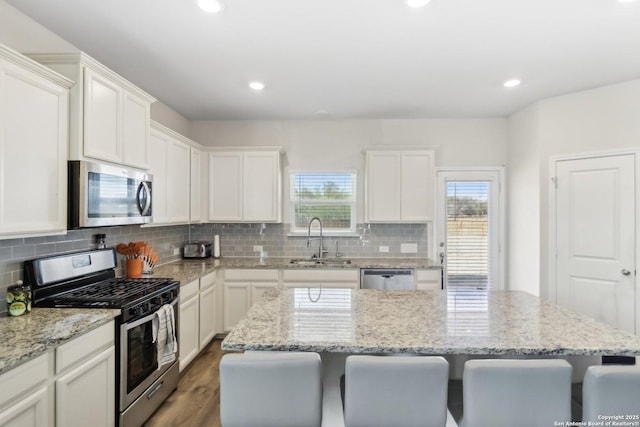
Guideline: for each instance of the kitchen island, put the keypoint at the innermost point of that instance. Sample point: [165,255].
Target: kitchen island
[339,322]
[510,323]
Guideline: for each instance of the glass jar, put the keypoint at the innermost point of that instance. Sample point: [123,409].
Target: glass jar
[18,299]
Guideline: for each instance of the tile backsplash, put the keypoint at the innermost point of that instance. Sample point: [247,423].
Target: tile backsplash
[236,240]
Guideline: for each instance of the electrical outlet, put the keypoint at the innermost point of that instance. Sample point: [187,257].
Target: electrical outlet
[257,248]
[383,248]
[176,251]
[408,248]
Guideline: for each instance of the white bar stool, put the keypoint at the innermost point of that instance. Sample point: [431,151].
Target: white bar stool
[502,392]
[396,391]
[611,390]
[271,389]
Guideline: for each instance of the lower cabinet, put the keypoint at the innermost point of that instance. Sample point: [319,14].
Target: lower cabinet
[197,322]
[242,288]
[428,279]
[342,278]
[85,396]
[72,385]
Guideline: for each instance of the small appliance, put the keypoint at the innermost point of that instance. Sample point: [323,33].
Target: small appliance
[197,250]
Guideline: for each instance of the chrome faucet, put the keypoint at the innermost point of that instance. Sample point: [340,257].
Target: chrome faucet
[321,249]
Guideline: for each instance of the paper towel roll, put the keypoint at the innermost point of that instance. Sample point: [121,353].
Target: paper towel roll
[216,246]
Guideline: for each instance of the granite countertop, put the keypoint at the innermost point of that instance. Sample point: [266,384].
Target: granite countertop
[26,337]
[422,322]
[186,270]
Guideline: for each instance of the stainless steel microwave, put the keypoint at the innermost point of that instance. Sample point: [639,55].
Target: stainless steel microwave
[102,195]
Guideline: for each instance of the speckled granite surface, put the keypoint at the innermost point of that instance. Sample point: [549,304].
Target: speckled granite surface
[191,269]
[422,322]
[27,337]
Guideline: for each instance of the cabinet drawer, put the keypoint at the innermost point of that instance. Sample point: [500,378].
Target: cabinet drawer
[189,289]
[251,275]
[321,276]
[80,348]
[430,275]
[23,378]
[207,281]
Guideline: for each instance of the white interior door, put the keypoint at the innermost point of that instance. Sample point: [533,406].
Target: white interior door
[469,229]
[595,234]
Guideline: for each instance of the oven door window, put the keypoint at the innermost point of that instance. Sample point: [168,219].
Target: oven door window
[142,357]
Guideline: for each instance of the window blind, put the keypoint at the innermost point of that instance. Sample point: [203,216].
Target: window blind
[328,196]
[468,266]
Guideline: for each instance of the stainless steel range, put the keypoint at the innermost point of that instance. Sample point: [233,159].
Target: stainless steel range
[87,280]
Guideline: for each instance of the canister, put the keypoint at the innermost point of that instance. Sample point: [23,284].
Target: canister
[18,299]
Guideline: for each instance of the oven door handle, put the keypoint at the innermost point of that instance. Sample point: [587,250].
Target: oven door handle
[145,319]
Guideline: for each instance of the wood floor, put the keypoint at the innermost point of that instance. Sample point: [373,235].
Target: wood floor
[196,402]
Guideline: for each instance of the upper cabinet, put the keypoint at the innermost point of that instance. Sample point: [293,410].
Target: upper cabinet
[199,186]
[34,105]
[170,165]
[245,186]
[399,186]
[110,117]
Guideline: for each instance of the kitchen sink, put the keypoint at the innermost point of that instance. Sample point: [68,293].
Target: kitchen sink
[315,261]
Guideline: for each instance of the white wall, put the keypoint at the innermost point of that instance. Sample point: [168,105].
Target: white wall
[338,144]
[606,118]
[523,202]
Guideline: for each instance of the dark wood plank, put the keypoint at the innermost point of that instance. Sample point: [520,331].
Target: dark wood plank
[196,402]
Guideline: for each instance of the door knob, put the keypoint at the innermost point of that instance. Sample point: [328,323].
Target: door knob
[626,272]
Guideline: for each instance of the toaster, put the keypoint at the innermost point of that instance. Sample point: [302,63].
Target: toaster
[197,250]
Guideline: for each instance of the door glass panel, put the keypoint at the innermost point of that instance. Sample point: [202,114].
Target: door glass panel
[468,267]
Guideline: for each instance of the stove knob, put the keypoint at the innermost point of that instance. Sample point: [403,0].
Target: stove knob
[132,311]
[139,310]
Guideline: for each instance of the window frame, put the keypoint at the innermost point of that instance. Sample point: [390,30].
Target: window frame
[353,202]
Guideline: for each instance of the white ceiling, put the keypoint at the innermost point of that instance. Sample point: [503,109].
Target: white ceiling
[353,58]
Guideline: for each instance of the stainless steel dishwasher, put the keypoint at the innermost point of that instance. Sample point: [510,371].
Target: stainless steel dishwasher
[390,279]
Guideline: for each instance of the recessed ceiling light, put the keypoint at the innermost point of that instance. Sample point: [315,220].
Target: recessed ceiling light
[417,3]
[512,83]
[256,85]
[211,6]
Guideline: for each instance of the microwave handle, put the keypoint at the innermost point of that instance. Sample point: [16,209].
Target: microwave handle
[144,210]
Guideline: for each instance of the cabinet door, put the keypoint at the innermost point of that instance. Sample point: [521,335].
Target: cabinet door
[158,167]
[261,185]
[86,395]
[136,122]
[207,316]
[189,339]
[102,117]
[383,186]
[195,211]
[33,153]
[416,187]
[225,186]
[32,411]
[178,164]
[258,288]
[237,300]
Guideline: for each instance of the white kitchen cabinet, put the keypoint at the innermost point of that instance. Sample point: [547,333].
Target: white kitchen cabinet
[170,164]
[305,278]
[189,322]
[242,288]
[428,279]
[85,384]
[245,186]
[24,395]
[399,186]
[208,309]
[110,117]
[86,395]
[34,104]
[199,186]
